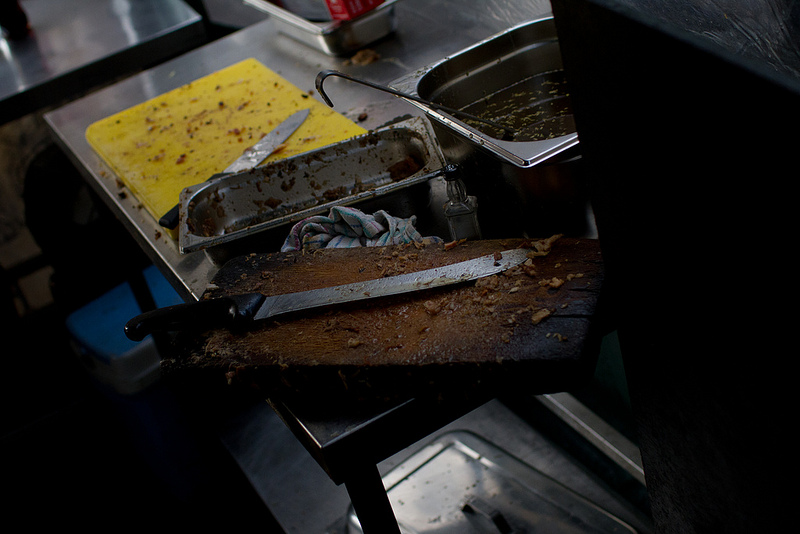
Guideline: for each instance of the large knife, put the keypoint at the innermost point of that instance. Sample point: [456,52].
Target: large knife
[243,310]
[251,157]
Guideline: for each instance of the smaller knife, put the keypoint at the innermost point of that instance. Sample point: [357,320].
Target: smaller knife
[251,157]
[242,310]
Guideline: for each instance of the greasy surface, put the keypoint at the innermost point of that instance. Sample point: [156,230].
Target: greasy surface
[181,138]
[485,324]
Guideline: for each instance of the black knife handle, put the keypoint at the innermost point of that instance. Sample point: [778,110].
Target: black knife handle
[213,313]
[170,219]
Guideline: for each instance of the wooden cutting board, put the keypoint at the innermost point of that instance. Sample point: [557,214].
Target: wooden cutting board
[534,321]
[181,138]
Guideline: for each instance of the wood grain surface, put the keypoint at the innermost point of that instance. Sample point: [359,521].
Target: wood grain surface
[535,319]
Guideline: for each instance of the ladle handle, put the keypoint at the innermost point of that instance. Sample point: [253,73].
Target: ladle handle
[325,73]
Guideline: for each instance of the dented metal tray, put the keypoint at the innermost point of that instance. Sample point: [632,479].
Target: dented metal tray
[463,484]
[367,166]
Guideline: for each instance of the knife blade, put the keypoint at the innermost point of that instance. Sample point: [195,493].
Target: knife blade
[245,309]
[251,157]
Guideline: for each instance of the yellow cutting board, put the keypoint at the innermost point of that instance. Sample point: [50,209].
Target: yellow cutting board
[181,138]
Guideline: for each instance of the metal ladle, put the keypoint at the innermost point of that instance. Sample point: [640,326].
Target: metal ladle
[509,132]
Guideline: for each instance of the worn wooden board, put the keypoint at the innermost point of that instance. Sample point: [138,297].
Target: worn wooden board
[480,327]
[181,138]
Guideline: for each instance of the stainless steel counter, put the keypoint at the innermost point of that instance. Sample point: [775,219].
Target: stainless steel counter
[427,31]
[75,45]
[301,496]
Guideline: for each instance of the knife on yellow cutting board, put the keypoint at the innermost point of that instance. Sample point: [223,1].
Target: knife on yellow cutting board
[251,157]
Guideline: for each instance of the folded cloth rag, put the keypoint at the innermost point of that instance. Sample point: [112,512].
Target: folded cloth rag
[346,227]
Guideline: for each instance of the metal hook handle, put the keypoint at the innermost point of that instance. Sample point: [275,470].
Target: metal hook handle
[326,73]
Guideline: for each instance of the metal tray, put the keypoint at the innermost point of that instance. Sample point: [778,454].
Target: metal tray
[334,38]
[462,484]
[368,166]
[492,68]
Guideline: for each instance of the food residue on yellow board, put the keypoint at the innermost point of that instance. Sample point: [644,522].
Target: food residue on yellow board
[182,137]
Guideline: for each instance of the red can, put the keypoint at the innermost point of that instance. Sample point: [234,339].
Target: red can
[350,9]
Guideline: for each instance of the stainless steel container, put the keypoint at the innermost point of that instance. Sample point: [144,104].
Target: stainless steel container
[533,182]
[374,168]
[333,37]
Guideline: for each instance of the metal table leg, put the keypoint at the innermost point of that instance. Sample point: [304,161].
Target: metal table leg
[371,502]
